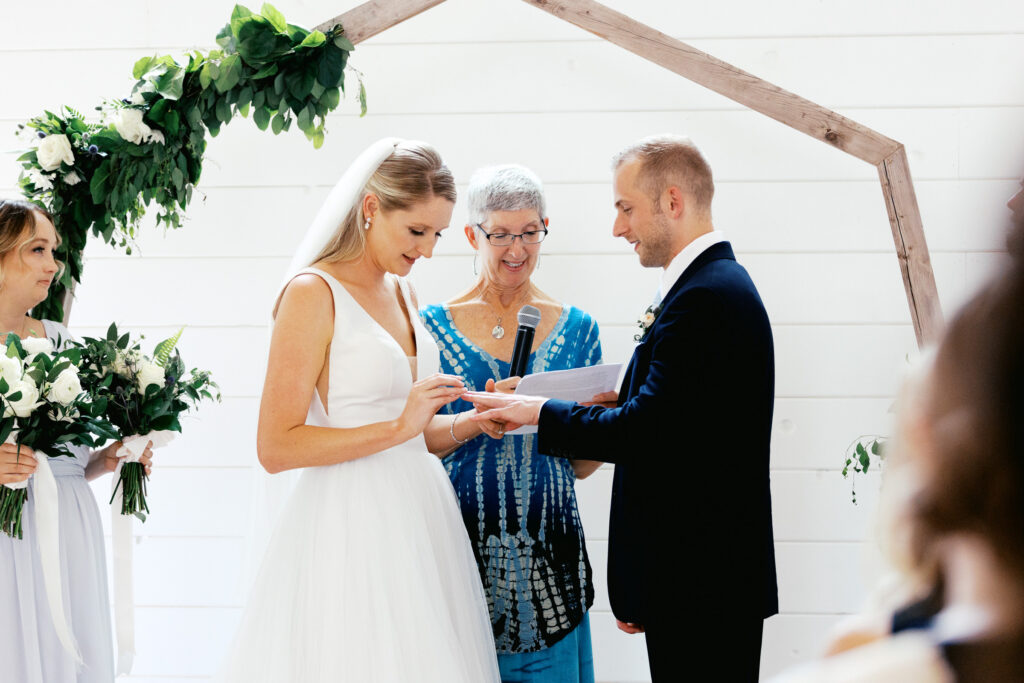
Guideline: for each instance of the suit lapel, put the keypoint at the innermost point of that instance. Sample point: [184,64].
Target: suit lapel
[718,251]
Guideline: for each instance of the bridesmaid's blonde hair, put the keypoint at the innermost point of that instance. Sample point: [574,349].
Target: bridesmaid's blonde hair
[414,172]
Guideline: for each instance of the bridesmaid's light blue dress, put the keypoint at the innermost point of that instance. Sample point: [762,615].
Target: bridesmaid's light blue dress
[29,649]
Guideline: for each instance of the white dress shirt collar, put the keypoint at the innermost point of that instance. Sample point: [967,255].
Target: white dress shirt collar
[686,257]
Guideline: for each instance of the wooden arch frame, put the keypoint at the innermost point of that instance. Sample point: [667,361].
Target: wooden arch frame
[886,154]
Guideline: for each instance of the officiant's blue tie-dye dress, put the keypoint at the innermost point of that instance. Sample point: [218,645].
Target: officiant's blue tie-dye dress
[520,511]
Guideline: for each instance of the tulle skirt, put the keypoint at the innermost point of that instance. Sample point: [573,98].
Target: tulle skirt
[369,577]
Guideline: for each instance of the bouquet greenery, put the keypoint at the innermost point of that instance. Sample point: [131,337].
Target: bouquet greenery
[44,408]
[140,398]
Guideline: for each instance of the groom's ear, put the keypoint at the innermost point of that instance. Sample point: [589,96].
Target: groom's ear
[673,202]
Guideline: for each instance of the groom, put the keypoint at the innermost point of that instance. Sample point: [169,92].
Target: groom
[691,560]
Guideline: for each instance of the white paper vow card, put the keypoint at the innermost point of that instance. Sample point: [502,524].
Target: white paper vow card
[578,384]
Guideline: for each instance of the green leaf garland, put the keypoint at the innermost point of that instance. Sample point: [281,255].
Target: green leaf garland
[150,147]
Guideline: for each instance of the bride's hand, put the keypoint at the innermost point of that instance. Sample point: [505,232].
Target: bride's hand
[426,398]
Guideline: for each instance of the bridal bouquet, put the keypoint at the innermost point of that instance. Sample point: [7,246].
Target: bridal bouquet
[141,398]
[44,408]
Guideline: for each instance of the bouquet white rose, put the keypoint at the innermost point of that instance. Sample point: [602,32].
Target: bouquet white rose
[67,387]
[149,374]
[22,399]
[34,346]
[44,408]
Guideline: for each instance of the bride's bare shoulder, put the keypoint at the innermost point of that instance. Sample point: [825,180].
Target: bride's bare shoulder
[305,294]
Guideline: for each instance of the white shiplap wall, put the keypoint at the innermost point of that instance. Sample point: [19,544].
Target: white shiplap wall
[489,81]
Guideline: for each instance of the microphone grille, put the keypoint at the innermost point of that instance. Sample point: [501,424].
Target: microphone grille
[529,316]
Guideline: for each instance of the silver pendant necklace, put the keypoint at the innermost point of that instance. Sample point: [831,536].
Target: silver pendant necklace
[498,331]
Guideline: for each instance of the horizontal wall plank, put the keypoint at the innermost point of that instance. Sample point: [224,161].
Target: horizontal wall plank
[796,288]
[814,433]
[739,145]
[791,639]
[816,506]
[839,216]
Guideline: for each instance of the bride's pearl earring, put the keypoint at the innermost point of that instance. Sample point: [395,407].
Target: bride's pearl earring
[366,225]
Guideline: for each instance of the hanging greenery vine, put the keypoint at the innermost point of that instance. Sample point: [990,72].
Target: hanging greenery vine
[101,177]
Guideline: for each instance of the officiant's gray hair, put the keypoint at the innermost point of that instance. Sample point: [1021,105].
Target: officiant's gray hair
[509,187]
[413,173]
[667,160]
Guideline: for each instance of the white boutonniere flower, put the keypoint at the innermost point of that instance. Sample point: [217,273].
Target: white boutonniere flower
[646,321]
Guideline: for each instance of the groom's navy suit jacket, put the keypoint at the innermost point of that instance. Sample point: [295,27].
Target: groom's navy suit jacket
[691,527]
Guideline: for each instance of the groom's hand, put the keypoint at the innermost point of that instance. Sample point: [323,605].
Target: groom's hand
[629,628]
[512,409]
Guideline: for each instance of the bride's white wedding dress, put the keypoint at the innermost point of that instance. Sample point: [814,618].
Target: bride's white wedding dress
[369,575]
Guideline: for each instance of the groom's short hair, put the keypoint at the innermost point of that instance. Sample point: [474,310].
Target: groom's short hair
[667,160]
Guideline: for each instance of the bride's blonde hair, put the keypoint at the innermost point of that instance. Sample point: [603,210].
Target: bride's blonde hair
[412,173]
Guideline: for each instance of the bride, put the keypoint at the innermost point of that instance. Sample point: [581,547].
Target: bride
[369,575]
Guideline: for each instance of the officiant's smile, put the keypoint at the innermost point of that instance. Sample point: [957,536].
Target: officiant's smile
[508,244]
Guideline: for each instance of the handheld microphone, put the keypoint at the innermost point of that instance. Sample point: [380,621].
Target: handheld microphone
[529,317]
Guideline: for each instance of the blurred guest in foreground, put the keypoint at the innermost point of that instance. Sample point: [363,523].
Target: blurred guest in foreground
[956,495]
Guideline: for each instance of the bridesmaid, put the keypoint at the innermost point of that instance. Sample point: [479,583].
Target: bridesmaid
[29,649]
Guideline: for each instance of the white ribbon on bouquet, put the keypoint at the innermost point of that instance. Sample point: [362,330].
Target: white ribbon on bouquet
[44,499]
[131,450]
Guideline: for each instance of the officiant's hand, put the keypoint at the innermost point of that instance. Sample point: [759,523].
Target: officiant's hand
[505,386]
[512,409]
[16,467]
[607,399]
[629,628]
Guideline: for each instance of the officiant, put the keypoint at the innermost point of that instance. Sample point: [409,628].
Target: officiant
[519,508]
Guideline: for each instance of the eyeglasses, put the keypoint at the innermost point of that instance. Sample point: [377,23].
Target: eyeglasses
[507,239]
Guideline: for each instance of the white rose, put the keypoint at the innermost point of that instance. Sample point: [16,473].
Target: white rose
[72,178]
[149,373]
[129,126]
[28,402]
[124,362]
[67,387]
[10,369]
[34,346]
[54,149]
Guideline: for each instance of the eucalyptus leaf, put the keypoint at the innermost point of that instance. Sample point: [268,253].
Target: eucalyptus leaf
[141,67]
[261,115]
[314,39]
[274,17]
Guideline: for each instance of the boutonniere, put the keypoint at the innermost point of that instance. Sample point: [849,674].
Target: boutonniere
[646,321]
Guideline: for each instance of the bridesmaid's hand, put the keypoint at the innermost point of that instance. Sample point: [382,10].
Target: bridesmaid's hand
[427,397]
[16,466]
[110,458]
